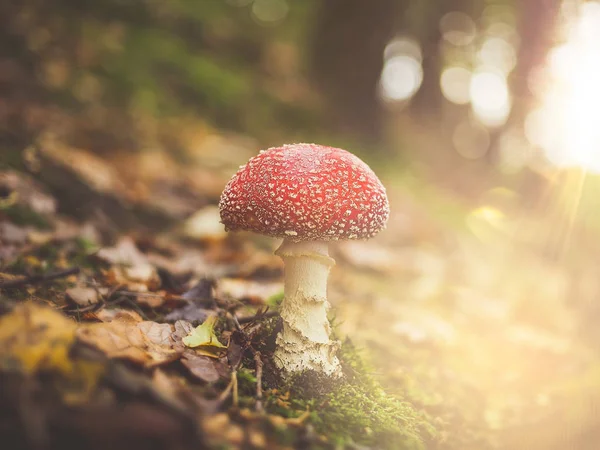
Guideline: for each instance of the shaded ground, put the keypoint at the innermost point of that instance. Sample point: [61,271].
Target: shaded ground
[105,270]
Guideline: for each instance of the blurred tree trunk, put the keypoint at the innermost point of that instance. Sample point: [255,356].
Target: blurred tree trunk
[347,58]
[537,29]
[537,26]
[424,23]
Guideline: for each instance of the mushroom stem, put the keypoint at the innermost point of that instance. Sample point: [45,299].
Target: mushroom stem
[304,342]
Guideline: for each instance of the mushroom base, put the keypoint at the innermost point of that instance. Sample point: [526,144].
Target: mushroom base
[304,343]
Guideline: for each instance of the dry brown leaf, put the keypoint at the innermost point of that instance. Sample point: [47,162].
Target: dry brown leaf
[155,300]
[108,315]
[182,329]
[125,337]
[158,333]
[82,296]
[131,267]
[202,367]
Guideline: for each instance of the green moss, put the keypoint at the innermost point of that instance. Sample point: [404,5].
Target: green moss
[355,409]
[275,300]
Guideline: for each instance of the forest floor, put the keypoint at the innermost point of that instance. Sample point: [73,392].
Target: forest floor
[130,319]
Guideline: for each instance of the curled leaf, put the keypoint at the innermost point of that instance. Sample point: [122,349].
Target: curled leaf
[203,335]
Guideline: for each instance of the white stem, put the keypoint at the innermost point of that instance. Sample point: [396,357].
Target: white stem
[304,342]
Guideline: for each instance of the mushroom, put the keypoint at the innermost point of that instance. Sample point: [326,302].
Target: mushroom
[308,195]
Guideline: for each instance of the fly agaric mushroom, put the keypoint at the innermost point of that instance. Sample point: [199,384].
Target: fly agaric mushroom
[308,195]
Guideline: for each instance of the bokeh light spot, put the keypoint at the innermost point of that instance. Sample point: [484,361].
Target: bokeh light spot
[454,83]
[269,11]
[403,46]
[565,125]
[490,98]
[458,28]
[401,78]
[497,52]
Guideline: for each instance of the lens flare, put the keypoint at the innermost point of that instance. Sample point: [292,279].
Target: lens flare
[490,98]
[566,124]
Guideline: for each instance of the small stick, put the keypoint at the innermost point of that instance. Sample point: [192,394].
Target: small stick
[37,279]
[223,396]
[259,371]
[235,388]
[258,317]
[231,386]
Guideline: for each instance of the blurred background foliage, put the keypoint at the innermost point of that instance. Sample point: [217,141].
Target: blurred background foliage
[468,95]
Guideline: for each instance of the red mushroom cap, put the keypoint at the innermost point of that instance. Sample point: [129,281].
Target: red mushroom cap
[305,192]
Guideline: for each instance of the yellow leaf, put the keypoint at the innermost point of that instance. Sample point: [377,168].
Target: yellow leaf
[203,335]
[34,338]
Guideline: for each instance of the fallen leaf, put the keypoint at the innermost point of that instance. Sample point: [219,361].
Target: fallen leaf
[234,352]
[125,337]
[154,300]
[34,338]
[182,329]
[116,276]
[201,367]
[82,296]
[203,335]
[131,266]
[158,333]
[108,315]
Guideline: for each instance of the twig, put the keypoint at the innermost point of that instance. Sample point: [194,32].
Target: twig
[259,370]
[258,316]
[37,279]
[236,322]
[232,386]
[223,395]
[142,294]
[235,389]
[96,306]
